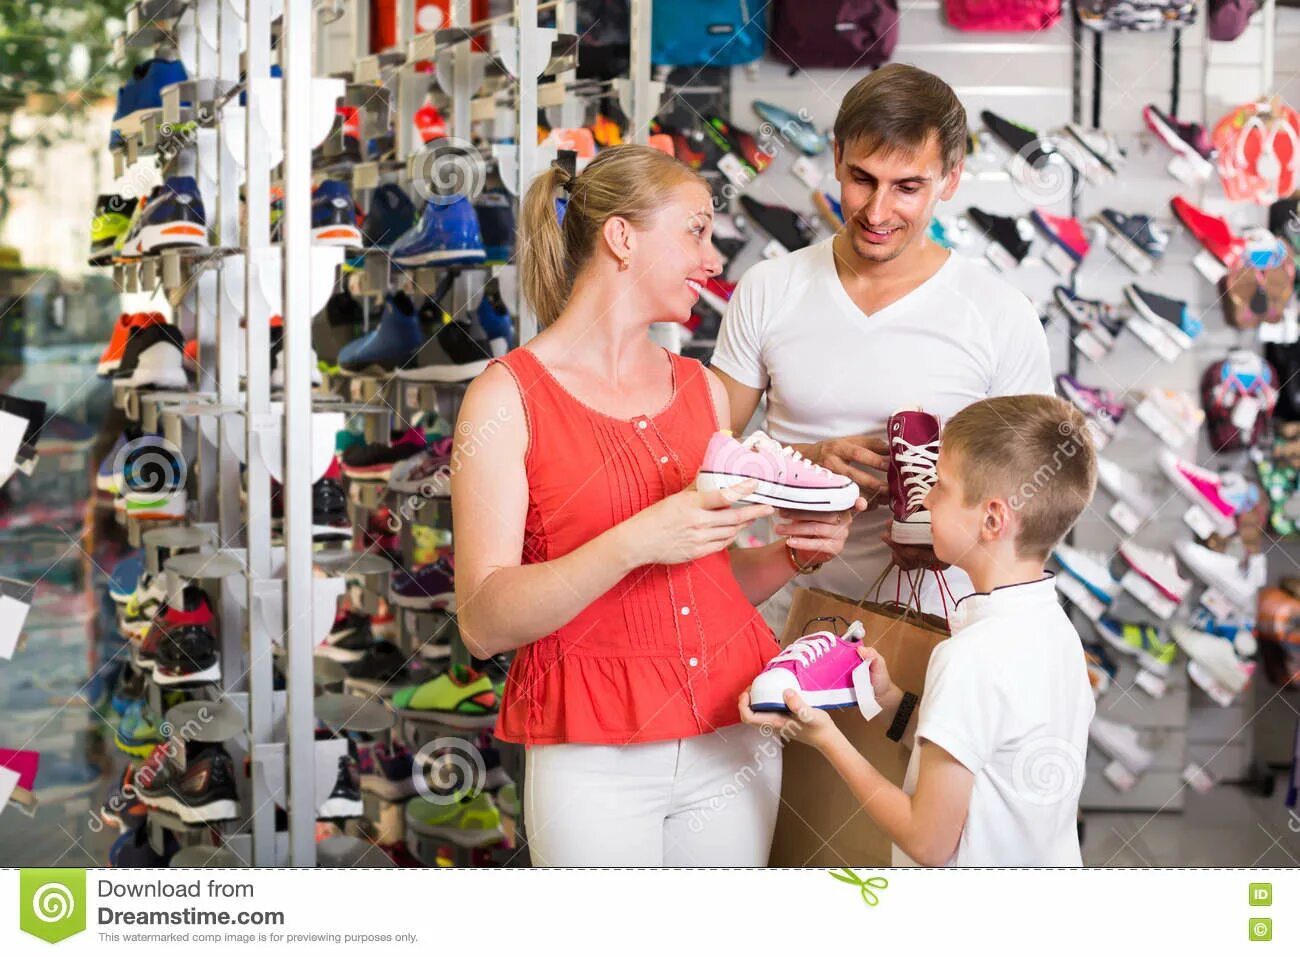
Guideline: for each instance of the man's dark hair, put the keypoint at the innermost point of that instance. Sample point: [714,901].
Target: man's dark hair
[898,108]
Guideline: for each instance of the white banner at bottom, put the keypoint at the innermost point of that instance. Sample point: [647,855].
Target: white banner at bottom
[665,913]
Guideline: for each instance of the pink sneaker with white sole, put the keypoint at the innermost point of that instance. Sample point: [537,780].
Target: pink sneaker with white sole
[824,668]
[785,478]
[1203,487]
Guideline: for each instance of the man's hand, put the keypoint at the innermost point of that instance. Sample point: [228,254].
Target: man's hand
[911,557]
[804,723]
[850,456]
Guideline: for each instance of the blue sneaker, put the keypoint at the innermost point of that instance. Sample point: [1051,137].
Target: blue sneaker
[494,319]
[447,234]
[138,731]
[132,849]
[829,208]
[334,215]
[390,345]
[806,138]
[125,107]
[392,214]
[125,576]
[496,218]
[173,217]
[144,90]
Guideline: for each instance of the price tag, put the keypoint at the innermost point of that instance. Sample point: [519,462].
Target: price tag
[357,389]
[1060,260]
[1205,681]
[1198,778]
[997,254]
[1185,172]
[809,173]
[1152,684]
[774,250]
[1129,255]
[1125,518]
[1199,522]
[1217,605]
[731,167]
[1079,596]
[1145,592]
[13,614]
[1245,412]
[1092,347]
[1209,266]
[1120,777]
[412,396]
[1153,339]
[1284,332]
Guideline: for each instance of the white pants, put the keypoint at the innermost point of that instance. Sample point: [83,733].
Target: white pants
[705,801]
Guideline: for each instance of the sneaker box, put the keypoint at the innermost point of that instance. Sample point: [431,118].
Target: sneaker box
[820,823]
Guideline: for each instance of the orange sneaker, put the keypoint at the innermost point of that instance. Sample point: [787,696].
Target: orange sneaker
[112,355]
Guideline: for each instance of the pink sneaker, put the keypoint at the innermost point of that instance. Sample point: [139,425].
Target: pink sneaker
[785,478]
[1203,487]
[824,668]
[913,470]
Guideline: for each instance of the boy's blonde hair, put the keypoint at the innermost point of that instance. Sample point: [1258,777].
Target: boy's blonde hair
[1032,450]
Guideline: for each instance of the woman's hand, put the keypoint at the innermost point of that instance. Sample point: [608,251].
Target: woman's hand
[689,525]
[804,723]
[816,537]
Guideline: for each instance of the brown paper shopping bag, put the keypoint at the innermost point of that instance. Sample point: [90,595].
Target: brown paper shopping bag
[821,823]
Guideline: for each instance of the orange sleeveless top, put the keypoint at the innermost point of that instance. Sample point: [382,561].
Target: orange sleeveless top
[666,652]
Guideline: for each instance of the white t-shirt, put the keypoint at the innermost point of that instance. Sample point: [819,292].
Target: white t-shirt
[1008,696]
[831,370]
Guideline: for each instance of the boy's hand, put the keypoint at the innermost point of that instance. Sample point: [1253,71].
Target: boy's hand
[804,723]
[881,684]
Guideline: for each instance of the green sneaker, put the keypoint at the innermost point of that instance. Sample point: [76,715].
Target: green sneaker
[473,821]
[110,225]
[459,697]
[1143,642]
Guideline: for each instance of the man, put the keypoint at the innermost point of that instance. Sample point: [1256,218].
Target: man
[842,334]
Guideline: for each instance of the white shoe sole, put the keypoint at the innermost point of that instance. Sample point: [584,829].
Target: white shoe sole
[453,256]
[1167,328]
[1222,524]
[783,496]
[825,700]
[340,807]
[912,532]
[447,372]
[1137,250]
[169,235]
[204,813]
[446,601]
[430,487]
[212,673]
[1240,594]
[1137,760]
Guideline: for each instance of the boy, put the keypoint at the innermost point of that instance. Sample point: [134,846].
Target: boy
[1002,727]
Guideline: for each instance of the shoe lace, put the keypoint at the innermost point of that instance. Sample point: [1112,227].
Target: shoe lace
[918,465]
[809,648]
[760,440]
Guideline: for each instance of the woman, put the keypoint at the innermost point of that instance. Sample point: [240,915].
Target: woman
[581,541]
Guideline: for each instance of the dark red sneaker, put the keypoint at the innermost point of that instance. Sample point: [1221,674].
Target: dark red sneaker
[1212,232]
[913,470]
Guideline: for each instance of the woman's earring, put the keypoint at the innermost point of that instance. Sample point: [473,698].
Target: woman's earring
[624,264]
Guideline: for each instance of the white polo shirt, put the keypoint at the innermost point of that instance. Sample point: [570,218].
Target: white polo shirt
[829,370]
[1008,696]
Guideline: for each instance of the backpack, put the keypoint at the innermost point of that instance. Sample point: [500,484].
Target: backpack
[1018,16]
[1228,19]
[708,32]
[1259,151]
[843,34]
[1258,288]
[1139,15]
[1224,385]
